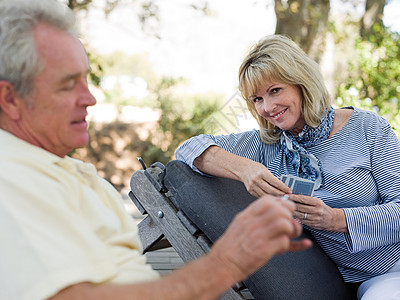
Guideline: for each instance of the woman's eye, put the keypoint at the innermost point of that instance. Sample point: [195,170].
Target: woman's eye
[257,99]
[275,90]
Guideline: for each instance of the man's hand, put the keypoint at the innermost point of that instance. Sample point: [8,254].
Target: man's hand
[262,230]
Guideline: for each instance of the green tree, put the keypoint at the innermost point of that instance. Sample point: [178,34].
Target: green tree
[373,80]
[307,21]
[373,15]
[179,120]
[118,65]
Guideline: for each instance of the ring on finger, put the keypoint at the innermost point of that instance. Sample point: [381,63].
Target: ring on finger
[305,216]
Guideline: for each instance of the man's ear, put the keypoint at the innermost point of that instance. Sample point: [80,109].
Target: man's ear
[9,100]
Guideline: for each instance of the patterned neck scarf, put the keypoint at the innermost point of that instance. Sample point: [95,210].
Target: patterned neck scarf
[306,164]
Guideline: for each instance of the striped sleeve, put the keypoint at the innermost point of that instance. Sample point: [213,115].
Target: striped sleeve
[379,225]
[246,144]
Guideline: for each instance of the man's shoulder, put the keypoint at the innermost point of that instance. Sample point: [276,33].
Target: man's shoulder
[14,148]
[22,163]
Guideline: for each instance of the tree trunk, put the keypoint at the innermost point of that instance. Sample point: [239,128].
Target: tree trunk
[373,15]
[305,22]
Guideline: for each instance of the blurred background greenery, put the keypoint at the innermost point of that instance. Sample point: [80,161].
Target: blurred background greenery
[358,53]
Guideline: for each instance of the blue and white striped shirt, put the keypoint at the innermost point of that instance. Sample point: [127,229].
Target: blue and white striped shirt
[361,171]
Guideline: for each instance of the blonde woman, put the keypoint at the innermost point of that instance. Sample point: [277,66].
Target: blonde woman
[352,156]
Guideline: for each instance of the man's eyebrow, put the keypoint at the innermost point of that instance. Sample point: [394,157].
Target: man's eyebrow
[73,76]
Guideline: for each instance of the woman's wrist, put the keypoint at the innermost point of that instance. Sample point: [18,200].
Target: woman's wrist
[339,224]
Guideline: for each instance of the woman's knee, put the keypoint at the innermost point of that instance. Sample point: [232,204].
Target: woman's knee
[382,287]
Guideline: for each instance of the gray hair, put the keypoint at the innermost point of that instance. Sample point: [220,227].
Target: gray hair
[278,58]
[19,63]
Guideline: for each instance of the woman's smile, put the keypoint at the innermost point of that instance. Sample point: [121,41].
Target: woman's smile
[277,116]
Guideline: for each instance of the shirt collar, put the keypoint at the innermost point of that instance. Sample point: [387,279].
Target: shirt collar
[12,146]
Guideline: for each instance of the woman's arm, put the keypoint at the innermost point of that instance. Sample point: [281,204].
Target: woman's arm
[255,176]
[236,156]
[372,226]
[373,222]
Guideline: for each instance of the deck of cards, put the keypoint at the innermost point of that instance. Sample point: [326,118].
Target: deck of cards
[299,185]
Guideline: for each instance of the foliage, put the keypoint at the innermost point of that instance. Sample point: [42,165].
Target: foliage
[119,62]
[114,146]
[79,5]
[123,70]
[179,120]
[96,69]
[373,81]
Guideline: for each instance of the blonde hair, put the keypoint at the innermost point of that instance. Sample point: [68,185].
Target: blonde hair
[278,58]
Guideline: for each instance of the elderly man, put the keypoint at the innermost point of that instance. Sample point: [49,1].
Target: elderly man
[64,231]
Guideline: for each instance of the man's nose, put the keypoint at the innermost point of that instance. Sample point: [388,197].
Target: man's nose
[86,97]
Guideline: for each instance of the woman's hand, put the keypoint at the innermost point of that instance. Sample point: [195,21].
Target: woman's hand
[259,180]
[313,212]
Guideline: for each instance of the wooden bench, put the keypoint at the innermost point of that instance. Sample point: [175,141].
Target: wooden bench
[165,225]
[172,196]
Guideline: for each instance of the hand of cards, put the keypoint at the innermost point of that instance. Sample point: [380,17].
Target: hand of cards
[299,185]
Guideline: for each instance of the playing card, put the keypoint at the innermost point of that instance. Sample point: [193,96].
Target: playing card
[289,181]
[303,187]
[299,185]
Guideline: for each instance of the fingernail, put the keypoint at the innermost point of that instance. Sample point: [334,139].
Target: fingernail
[284,197]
